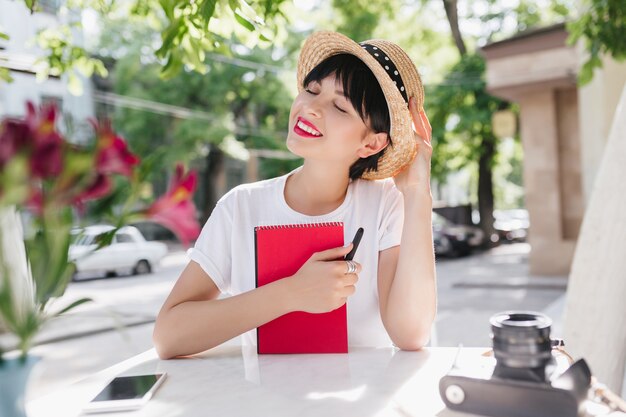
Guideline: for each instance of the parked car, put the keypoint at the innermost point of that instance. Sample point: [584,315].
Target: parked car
[453,239]
[511,225]
[128,252]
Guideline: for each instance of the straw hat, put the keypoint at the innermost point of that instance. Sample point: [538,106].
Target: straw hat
[398,78]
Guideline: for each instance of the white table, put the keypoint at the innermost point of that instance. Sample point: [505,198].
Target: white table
[231,381]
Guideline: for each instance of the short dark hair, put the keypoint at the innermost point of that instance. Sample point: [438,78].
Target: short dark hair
[362,89]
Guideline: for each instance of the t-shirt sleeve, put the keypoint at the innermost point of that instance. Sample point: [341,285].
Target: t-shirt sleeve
[392,217]
[212,249]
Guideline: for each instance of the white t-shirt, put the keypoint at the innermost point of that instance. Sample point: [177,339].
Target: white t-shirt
[225,247]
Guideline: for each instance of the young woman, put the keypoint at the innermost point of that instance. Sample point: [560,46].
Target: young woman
[364,165]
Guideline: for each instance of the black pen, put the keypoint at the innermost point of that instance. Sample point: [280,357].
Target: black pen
[355,243]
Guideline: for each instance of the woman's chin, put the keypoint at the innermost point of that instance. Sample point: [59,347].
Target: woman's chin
[295,145]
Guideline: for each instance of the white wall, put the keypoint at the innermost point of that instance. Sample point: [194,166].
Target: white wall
[21,26]
[597,103]
[595,313]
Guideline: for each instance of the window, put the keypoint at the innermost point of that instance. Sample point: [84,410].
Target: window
[123,238]
[58,101]
[84,240]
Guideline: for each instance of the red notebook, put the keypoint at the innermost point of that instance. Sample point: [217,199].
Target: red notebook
[280,252]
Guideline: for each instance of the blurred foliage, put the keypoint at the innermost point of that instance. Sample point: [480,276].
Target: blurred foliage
[500,20]
[460,108]
[244,99]
[187,30]
[602,25]
[234,60]
[5,74]
[508,189]
[460,113]
[65,57]
[358,19]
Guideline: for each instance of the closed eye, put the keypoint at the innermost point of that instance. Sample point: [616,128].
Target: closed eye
[340,109]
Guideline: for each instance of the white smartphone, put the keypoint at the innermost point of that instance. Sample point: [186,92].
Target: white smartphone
[125,393]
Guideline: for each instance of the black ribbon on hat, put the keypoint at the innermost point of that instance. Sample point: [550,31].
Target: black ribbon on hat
[388,65]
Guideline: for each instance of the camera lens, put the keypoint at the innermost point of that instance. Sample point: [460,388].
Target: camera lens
[521,339]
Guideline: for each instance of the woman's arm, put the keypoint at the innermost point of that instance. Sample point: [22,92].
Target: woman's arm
[406,278]
[193,319]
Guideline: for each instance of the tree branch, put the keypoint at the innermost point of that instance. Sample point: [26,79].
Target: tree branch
[453,19]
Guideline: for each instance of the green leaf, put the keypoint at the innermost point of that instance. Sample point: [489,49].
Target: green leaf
[105,239]
[194,55]
[100,69]
[85,66]
[30,4]
[5,75]
[244,22]
[207,9]
[168,8]
[249,12]
[168,36]
[72,306]
[4,36]
[74,84]
[173,66]
[47,252]
[586,73]
[7,304]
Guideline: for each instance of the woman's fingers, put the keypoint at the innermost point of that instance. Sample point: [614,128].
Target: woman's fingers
[342,267]
[418,123]
[426,124]
[351,279]
[332,254]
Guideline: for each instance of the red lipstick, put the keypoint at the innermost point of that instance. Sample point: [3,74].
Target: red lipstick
[301,132]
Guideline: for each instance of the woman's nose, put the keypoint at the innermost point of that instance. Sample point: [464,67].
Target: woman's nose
[314,106]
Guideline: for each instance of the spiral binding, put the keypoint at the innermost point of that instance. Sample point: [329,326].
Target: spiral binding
[299,225]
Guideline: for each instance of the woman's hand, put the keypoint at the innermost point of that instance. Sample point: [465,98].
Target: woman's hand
[417,174]
[321,284]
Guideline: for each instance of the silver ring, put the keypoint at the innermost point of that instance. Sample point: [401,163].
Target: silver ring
[351,267]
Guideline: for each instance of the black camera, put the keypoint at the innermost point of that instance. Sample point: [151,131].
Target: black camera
[526,379]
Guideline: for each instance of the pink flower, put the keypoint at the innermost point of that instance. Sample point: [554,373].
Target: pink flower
[175,210]
[113,156]
[35,201]
[35,134]
[13,137]
[180,219]
[100,187]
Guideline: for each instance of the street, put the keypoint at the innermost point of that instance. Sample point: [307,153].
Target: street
[470,290]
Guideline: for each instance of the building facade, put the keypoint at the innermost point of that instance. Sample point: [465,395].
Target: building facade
[563,129]
[20,55]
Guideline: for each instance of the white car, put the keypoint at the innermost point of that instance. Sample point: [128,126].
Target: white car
[128,252]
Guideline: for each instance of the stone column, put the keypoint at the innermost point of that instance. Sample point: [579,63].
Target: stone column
[539,117]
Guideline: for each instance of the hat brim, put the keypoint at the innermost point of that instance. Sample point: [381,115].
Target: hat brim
[403,148]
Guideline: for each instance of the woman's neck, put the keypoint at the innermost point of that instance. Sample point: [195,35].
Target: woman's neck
[315,190]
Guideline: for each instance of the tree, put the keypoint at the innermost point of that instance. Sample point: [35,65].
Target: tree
[462,113]
[461,106]
[240,99]
[187,30]
[602,26]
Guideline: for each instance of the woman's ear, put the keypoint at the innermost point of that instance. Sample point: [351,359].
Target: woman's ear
[372,144]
